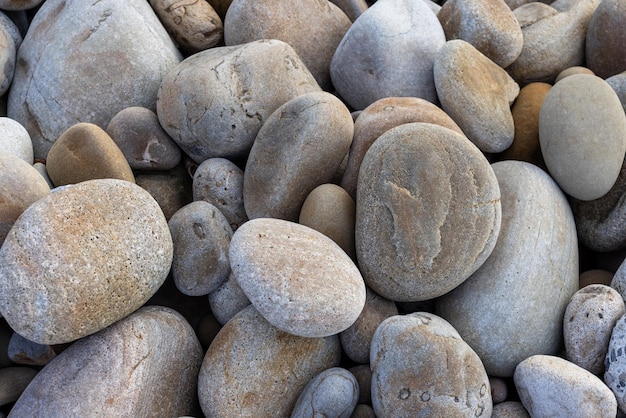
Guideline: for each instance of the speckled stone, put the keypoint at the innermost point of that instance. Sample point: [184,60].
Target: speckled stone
[14,139]
[23,351]
[421,366]
[297,278]
[227,300]
[615,363]
[81,258]
[604,48]
[257,370]
[332,393]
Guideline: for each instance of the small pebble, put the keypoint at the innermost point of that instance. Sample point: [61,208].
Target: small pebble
[14,139]
[23,351]
[509,409]
[332,393]
[227,300]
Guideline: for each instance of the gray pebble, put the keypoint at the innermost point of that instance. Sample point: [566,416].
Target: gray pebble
[227,300]
[332,393]
[23,351]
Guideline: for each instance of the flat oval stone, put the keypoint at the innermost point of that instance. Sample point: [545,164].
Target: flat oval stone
[589,320]
[13,382]
[406,34]
[227,300]
[582,133]
[257,370]
[142,140]
[552,386]
[14,139]
[604,47]
[82,258]
[421,366]
[23,351]
[332,393]
[86,152]
[297,278]
[201,237]
[537,240]
[299,147]
[90,61]
[208,117]
[427,212]
[477,94]
[127,369]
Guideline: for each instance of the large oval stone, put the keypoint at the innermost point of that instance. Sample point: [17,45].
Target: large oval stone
[128,369]
[81,258]
[427,212]
[297,278]
[528,278]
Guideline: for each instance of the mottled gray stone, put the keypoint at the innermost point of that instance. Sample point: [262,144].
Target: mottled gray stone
[615,363]
[227,300]
[509,409]
[332,393]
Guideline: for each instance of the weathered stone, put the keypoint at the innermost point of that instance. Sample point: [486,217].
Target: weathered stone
[532,12]
[171,189]
[509,409]
[14,139]
[604,48]
[227,300]
[13,381]
[427,212]
[332,393]
[23,351]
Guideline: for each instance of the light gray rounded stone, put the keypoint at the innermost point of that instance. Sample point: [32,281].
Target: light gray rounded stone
[422,367]
[118,49]
[509,409]
[257,370]
[427,212]
[13,382]
[537,240]
[23,351]
[388,51]
[82,258]
[11,27]
[214,102]
[296,277]
[332,393]
[587,325]
[550,386]
[201,235]
[615,363]
[227,300]
[143,365]
[299,147]
[14,139]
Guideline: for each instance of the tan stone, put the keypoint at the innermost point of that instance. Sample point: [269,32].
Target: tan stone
[571,71]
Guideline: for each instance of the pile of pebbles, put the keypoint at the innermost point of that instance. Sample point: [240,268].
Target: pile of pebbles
[312,208]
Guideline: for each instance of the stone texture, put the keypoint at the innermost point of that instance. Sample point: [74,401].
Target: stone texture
[510,409]
[477,94]
[427,212]
[23,351]
[422,367]
[571,71]
[489,25]
[297,278]
[532,12]
[363,411]
[257,370]
[582,133]
[8,54]
[604,48]
[81,258]
[595,276]
[142,140]
[537,240]
[332,393]
[144,365]
[499,389]
[171,189]
[13,381]
[363,375]
[299,147]
[313,28]
[552,386]
[227,300]
[615,363]
[86,152]
[208,117]
[14,139]
[618,84]
[117,49]
[405,33]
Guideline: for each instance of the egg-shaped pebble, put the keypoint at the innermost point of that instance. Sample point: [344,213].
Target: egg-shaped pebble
[332,393]
[14,139]
[227,300]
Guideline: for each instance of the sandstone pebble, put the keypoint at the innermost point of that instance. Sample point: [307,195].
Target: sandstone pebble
[604,47]
[227,300]
[13,381]
[23,351]
[332,393]
[14,139]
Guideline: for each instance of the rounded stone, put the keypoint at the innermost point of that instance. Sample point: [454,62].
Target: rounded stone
[604,48]
[582,133]
[11,27]
[297,278]
[427,212]
[81,258]
[194,25]
[89,61]
[172,189]
[352,8]
[571,71]
[356,340]
[332,393]
[615,362]
[14,139]
[379,117]
[363,411]
[220,182]
[23,351]
[489,25]
[312,28]
[13,382]
[142,140]
[421,366]
[127,369]
[257,370]
[86,152]
[509,409]
[406,34]
[208,117]
[595,276]
[477,94]
[299,147]
[532,12]
[227,300]
[8,55]
[551,386]
[618,84]
[201,237]
[499,389]
[537,240]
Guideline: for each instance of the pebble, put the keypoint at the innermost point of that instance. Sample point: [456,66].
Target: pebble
[419,186]
[618,84]
[150,356]
[23,351]
[605,39]
[171,189]
[551,386]
[8,56]
[14,139]
[532,12]
[615,363]
[619,280]
[82,258]
[363,411]
[363,376]
[297,278]
[499,389]
[477,94]
[332,393]
[509,409]
[571,71]
[587,325]
[227,300]
[257,370]
[352,8]
[406,34]
[201,237]
[13,381]
[582,133]
[422,367]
